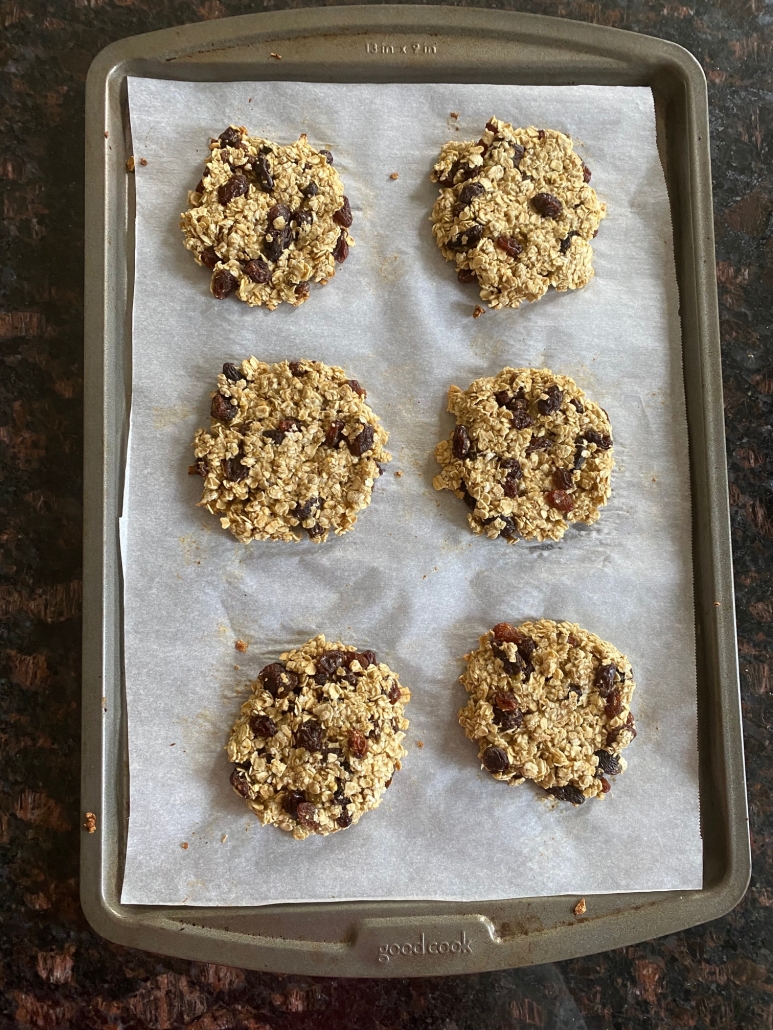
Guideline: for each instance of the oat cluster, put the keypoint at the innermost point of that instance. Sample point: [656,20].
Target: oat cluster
[516,213]
[293,448]
[267,220]
[549,702]
[319,741]
[530,454]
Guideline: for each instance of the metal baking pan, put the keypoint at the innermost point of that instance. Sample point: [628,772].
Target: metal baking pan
[400,44]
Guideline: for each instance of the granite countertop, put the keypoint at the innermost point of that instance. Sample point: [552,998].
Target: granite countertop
[55,972]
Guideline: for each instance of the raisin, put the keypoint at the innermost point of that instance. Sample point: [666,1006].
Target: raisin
[276,242]
[548,405]
[297,369]
[468,239]
[311,190]
[574,688]
[341,249]
[538,443]
[388,783]
[577,405]
[566,241]
[509,531]
[343,215]
[263,726]
[365,658]
[230,138]
[199,186]
[608,763]
[606,786]
[304,511]
[234,470]
[466,275]
[289,425]
[461,444]
[495,759]
[468,499]
[257,270]
[315,531]
[586,173]
[522,420]
[361,443]
[469,192]
[510,245]
[239,783]
[328,662]
[505,701]
[393,695]
[274,435]
[507,721]
[263,174]
[630,727]
[513,466]
[614,705]
[237,186]
[334,433]
[199,468]
[568,793]
[604,680]
[505,631]
[291,801]
[310,735]
[209,257]
[359,390]
[276,212]
[579,455]
[344,820]
[223,283]
[358,744]
[232,372]
[518,152]
[602,440]
[302,217]
[223,409]
[560,500]
[563,479]
[526,647]
[450,177]
[278,680]
[306,814]
[540,133]
[547,205]
[327,156]
[510,487]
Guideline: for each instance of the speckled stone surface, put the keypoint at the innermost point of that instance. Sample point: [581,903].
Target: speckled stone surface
[54,972]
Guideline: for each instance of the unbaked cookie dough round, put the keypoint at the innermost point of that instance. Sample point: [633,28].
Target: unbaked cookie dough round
[549,702]
[267,220]
[319,741]
[516,213]
[529,455]
[292,448]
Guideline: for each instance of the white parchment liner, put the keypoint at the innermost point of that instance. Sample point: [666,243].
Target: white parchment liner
[410,581]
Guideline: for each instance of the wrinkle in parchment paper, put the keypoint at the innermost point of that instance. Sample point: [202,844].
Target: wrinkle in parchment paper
[410,581]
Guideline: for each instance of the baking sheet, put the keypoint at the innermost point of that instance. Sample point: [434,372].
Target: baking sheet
[411,582]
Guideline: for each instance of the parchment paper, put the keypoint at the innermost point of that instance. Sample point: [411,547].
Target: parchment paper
[410,581]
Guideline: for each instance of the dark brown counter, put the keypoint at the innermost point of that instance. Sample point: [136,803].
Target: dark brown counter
[54,972]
